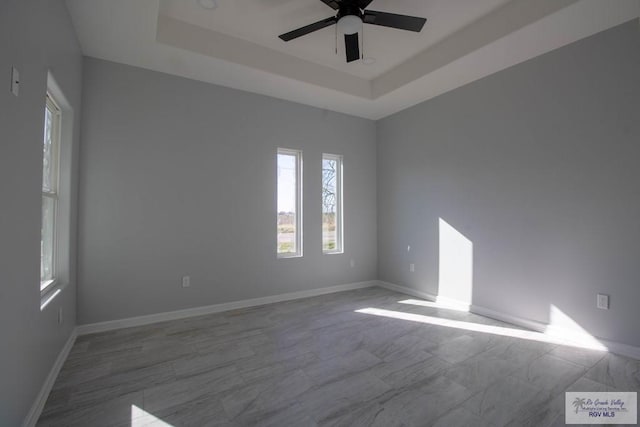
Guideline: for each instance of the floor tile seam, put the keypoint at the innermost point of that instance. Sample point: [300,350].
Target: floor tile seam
[318,386]
[345,376]
[584,376]
[344,411]
[205,371]
[580,364]
[105,354]
[538,389]
[575,364]
[481,413]
[71,408]
[489,384]
[132,369]
[208,350]
[224,409]
[463,360]
[218,395]
[550,400]
[424,380]
[393,392]
[460,406]
[63,387]
[528,366]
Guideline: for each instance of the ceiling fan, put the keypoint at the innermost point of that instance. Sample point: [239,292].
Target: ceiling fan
[350,17]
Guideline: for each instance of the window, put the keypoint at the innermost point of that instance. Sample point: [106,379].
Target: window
[50,170]
[57,178]
[289,208]
[331,203]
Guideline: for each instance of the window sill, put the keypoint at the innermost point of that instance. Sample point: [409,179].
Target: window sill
[50,292]
[45,286]
[289,256]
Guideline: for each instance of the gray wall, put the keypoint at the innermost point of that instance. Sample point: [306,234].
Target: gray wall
[35,36]
[178,178]
[537,166]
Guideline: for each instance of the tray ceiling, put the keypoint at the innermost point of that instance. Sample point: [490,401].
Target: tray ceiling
[236,44]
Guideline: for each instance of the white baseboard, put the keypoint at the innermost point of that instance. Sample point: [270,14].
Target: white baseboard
[444,301]
[508,318]
[612,346]
[622,349]
[407,291]
[38,405]
[216,308]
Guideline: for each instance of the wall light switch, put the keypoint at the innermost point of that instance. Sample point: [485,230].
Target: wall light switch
[15,81]
[60,316]
[412,268]
[352,263]
[186,281]
[603,302]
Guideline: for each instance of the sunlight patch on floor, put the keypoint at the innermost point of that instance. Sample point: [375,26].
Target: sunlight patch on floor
[141,418]
[489,329]
[439,304]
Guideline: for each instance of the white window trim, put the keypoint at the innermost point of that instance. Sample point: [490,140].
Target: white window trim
[299,240]
[339,249]
[46,286]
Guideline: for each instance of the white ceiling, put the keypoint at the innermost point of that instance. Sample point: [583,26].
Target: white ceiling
[236,44]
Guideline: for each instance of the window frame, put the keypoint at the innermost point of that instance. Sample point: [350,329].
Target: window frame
[52,194]
[298,238]
[339,210]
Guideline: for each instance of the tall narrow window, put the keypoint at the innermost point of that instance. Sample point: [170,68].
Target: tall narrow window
[50,169]
[331,203]
[289,219]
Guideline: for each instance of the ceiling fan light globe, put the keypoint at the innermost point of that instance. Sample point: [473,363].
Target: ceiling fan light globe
[350,24]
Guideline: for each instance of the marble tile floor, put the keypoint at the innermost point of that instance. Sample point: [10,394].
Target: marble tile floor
[320,362]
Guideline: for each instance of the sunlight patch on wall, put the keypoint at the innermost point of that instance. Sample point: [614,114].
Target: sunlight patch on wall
[455,267]
[564,327]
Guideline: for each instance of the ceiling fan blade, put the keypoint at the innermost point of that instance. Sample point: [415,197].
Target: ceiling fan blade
[362,4]
[308,29]
[352,47]
[333,4]
[401,22]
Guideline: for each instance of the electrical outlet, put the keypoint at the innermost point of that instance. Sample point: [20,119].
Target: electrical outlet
[60,316]
[602,301]
[186,281]
[15,81]
[412,268]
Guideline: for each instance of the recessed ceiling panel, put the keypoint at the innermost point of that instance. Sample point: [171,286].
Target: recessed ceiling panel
[261,21]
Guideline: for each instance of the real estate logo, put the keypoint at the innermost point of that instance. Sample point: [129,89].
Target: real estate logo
[601,408]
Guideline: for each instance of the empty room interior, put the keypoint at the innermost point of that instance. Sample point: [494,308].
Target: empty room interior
[319,212]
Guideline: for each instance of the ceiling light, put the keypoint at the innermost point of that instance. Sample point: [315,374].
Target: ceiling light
[208,4]
[350,24]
